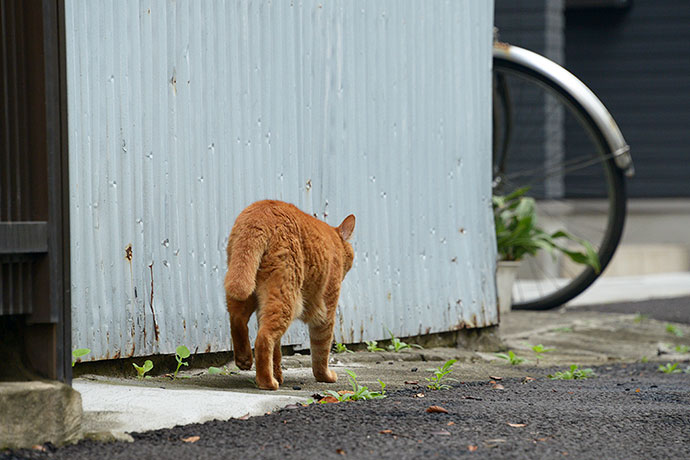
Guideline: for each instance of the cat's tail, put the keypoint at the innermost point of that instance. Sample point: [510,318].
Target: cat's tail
[244,256]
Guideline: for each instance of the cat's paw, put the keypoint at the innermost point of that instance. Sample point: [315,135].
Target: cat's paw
[328,377]
[244,363]
[267,384]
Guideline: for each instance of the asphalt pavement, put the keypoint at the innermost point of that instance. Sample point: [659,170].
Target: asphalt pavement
[628,409]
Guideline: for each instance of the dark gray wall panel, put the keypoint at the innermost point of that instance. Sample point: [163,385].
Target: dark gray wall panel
[637,60]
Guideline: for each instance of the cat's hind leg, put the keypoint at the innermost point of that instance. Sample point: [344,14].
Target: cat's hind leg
[240,312]
[278,299]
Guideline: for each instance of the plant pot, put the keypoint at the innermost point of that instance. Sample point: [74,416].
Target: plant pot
[506,271]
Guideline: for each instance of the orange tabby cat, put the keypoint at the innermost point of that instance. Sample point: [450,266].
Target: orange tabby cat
[284,264]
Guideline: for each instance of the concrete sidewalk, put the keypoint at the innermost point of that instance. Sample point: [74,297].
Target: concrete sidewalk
[114,405]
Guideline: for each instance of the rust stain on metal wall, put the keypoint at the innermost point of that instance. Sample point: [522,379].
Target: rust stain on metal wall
[156,331]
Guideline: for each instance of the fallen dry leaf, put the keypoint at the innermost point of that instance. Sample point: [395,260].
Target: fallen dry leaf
[411,382]
[244,417]
[527,379]
[498,386]
[450,423]
[386,432]
[191,439]
[340,451]
[346,392]
[329,400]
[517,425]
[637,390]
[495,377]
[492,382]
[472,448]
[39,448]
[436,409]
[493,442]
[419,395]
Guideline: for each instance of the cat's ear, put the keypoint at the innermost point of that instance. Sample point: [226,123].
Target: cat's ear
[347,227]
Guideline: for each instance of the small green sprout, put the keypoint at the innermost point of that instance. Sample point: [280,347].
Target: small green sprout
[359,392]
[511,357]
[575,373]
[441,374]
[639,317]
[681,349]
[669,368]
[672,329]
[181,353]
[78,353]
[644,359]
[341,348]
[141,370]
[372,346]
[220,371]
[562,329]
[398,345]
[539,350]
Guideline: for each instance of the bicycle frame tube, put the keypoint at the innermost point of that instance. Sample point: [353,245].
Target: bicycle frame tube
[578,91]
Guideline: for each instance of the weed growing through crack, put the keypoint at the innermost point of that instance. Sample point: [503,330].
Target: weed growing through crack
[511,357]
[398,345]
[78,353]
[441,374]
[672,329]
[341,348]
[141,370]
[669,368]
[181,353]
[359,392]
[372,346]
[539,350]
[575,373]
[221,371]
[639,317]
[681,349]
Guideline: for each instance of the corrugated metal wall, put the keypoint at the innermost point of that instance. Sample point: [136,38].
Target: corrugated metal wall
[181,113]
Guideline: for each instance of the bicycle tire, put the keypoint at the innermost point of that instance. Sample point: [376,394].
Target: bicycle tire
[616,188]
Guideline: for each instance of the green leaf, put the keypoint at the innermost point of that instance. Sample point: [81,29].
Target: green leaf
[182,352]
[79,352]
[215,370]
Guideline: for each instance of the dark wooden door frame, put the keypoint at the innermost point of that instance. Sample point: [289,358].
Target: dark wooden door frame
[35,303]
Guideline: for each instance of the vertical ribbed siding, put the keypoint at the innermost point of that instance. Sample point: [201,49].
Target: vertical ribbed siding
[16,270]
[637,60]
[182,113]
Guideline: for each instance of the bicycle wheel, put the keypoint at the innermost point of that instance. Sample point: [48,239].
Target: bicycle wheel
[545,139]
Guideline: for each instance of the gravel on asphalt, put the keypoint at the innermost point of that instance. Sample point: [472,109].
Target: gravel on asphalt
[629,411]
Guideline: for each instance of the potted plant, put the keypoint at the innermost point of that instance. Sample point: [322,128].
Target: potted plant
[517,235]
